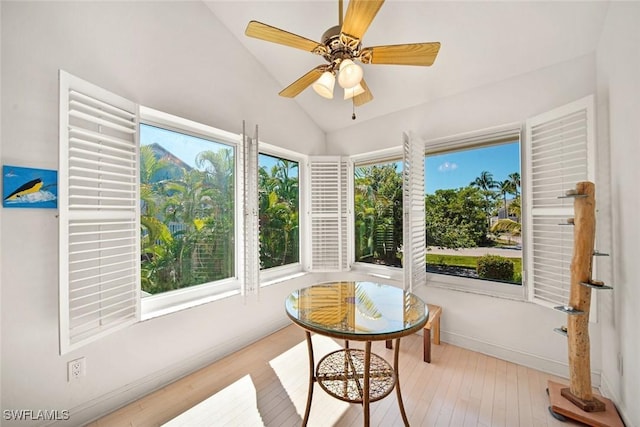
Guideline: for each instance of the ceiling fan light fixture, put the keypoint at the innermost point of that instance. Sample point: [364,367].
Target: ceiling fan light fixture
[324,85]
[354,91]
[350,74]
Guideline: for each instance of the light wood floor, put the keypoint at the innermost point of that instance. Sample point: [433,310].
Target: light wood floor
[265,384]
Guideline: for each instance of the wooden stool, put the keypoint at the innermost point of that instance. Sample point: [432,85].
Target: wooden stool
[434,322]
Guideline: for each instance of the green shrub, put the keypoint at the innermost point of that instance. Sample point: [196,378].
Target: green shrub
[495,267]
[517,278]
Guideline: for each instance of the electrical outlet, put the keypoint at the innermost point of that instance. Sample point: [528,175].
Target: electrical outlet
[75,369]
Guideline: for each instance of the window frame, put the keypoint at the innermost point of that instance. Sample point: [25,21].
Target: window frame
[387,155]
[274,275]
[179,299]
[476,139]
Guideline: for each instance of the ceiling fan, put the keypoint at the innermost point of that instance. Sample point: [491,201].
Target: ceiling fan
[340,46]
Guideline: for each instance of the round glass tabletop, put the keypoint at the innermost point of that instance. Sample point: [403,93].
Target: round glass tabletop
[357,310]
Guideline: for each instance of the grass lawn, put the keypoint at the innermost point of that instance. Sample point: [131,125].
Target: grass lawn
[465,261]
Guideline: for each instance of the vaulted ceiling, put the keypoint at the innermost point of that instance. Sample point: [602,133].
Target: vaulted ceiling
[482,42]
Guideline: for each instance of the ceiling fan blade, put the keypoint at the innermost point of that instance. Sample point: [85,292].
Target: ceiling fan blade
[359,15]
[303,82]
[266,32]
[364,97]
[401,54]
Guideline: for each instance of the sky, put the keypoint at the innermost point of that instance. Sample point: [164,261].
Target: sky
[458,169]
[187,147]
[449,170]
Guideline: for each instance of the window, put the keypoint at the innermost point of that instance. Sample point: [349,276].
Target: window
[473,217]
[190,212]
[279,207]
[523,218]
[378,213]
[472,197]
[158,213]
[145,209]
[187,210]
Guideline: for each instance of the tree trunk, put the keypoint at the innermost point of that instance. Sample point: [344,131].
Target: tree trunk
[580,392]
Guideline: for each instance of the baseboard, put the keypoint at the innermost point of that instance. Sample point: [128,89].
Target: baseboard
[550,366]
[113,400]
[608,392]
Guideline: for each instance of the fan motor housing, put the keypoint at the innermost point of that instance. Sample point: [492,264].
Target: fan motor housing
[339,46]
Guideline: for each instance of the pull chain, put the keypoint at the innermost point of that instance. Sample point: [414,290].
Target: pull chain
[353,104]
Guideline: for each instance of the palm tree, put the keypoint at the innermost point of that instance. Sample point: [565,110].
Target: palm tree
[365,213]
[155,235]
[279,214]
[515,180]
[506,187]
[486,183]
[507,225]
[378,213]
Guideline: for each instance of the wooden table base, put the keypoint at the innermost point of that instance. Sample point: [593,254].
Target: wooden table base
[562,406]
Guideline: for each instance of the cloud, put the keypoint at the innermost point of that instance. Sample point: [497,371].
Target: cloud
[447,167]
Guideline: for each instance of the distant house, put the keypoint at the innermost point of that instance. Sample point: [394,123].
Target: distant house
[175,166]
[502,214]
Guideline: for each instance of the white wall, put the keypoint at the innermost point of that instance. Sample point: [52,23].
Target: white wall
[508,101]
[175,57]
[618,77]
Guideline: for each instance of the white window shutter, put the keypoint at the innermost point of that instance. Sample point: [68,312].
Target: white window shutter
[560,153]
[251,224]
[414,228]
[346,217]
[328,213]
[99,226]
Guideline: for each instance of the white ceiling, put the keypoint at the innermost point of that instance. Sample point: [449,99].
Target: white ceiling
[482,42]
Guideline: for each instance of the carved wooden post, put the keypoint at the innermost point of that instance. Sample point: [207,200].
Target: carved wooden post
[577,401]
[580,392]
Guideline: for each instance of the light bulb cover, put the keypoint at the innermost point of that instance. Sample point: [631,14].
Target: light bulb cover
[354,91]
[324,85]
[350,74]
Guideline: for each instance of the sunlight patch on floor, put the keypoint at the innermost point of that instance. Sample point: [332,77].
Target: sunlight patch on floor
[292,369]
[234,405]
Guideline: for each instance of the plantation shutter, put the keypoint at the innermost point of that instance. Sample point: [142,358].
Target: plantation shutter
[251,259]
[560,153]
[328,214]
[414,229]
[99,217]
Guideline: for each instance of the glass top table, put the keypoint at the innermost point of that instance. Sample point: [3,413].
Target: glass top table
[356,311]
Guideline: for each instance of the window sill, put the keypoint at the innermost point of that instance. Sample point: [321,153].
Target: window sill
[481,287]
[394,274]
[283,279]
[277,275]
[181,299]
[188,304]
